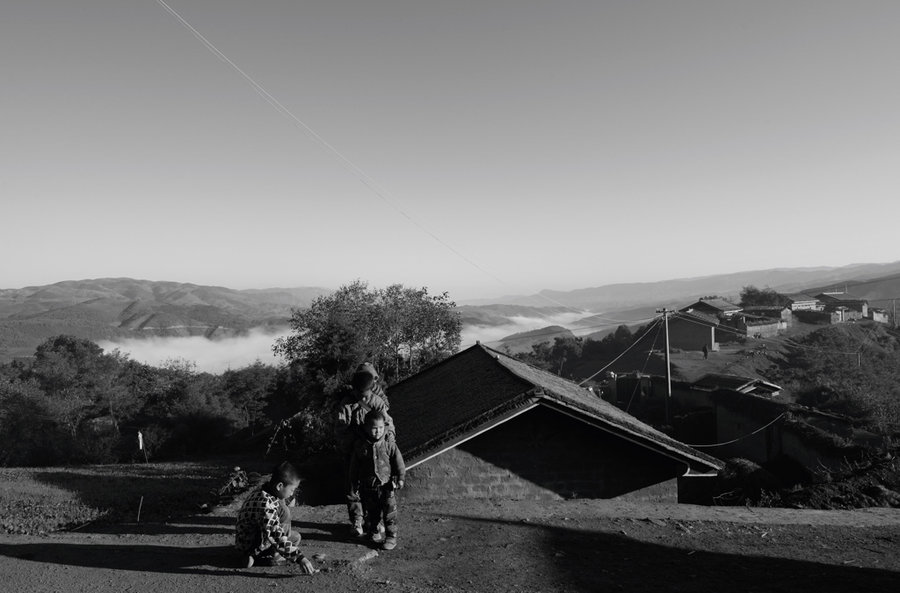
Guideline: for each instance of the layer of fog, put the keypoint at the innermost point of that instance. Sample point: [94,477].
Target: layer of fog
[221,354]
[491,335]
[211,356]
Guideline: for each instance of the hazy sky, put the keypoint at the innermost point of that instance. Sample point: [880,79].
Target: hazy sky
[545,144]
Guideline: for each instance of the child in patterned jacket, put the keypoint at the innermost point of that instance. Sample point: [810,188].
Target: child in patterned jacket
[263,532]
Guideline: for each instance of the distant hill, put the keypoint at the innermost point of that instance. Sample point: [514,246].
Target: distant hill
[111,308]
[880,292]
[499,314]
[523,341]
[674,292]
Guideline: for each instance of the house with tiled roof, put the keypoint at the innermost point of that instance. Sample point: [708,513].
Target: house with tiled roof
[848,306]
[704,324]
[715,306]
[799,301]
[484,425]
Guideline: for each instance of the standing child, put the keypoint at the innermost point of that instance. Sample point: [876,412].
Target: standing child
[364,395]
[263,532]
[376,470]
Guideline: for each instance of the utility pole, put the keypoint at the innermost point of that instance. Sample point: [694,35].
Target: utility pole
[665,312]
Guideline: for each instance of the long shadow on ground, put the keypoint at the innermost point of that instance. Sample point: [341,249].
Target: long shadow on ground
[194,524]
[591,561]
[159,493]
[143,558]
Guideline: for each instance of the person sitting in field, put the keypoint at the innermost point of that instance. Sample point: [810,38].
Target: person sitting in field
[263,533]
[376,470]
[364,395]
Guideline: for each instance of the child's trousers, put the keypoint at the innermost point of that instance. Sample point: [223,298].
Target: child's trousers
[380,504]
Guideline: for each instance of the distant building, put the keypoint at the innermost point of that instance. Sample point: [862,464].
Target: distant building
[694,330]
[717,307]
[879,315]
[850,307]
[804,302]
[707,322]
[763,321]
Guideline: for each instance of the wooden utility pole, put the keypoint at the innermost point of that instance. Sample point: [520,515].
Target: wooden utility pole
[665,312]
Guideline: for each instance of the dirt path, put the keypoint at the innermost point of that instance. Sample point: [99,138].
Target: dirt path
[580,546]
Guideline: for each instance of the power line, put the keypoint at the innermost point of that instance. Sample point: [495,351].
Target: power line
[743,437]
[633,344]
[644,368]
[365,178]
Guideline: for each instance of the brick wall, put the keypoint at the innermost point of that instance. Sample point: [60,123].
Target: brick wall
[543,454]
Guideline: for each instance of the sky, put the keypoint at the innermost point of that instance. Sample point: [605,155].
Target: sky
[480,147]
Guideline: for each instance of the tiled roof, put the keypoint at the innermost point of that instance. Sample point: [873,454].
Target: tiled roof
[840,297]
[477,387]
[720,304]
[697,316]
[800,296]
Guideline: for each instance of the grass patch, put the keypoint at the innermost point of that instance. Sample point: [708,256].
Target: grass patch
[42,500]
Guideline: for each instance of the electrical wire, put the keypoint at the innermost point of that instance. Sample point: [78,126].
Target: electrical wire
[363,177]
[633,344]
[643,368]
[743,437]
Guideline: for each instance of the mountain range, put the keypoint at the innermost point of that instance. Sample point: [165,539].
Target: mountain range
[122,308]
[117,308]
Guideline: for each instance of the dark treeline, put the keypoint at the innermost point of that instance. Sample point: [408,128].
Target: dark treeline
[75,403]
[577,358]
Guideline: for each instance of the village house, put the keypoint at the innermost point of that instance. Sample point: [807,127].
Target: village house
[848,306]
[879,315]
[707,322]
[804,302]
[761,321]
[481,424]
[714,306]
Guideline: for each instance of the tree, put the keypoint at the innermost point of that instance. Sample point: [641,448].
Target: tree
[401,330]
[765,297]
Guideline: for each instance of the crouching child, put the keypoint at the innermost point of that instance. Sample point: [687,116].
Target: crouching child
[263,533]
[376,471]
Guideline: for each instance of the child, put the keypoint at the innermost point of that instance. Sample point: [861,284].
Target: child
[263,532]
[376,470]
[364,395]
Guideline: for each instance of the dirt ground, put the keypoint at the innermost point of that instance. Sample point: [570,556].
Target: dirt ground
[496,547]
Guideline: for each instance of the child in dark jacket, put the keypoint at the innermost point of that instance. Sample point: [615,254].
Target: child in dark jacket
[364,395]
[376,470]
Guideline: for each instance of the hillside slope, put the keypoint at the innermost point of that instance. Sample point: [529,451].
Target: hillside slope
[110,308]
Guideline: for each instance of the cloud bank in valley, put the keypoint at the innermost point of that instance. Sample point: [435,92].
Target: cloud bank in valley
[212,356]
[491,334]
[221,354]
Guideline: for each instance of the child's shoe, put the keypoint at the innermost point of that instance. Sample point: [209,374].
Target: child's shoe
[356,530]
[390,542]
[377,535]
[246,561]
